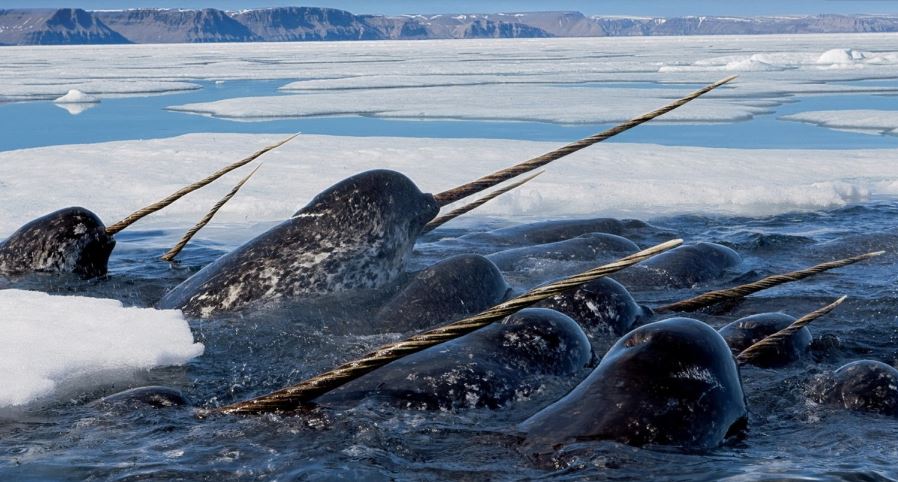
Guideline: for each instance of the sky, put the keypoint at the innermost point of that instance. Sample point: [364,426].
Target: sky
[661,8]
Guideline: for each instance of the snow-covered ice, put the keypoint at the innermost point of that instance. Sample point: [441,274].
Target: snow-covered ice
[75,96]
[494,102]
[433,74]
[50,342]
[864,120]
[846,56]
[616,179]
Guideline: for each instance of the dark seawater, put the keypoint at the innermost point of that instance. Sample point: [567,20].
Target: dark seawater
[255,352]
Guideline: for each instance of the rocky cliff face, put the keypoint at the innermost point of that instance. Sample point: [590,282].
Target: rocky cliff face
[55,27]
[177,26]
[288,24]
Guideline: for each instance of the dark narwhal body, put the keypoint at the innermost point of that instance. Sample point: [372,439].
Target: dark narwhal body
[489,367]
[356,234]
[864,385]
[553,231]
[602,307]
[672,382]
[682,267]
[153,396]
[71,240]
[747,331]
[461,285]
[562,258]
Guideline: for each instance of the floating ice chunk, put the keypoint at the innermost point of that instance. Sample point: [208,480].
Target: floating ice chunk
[752,65]
[53,341]
[840,56]
[75,96]
[871,121]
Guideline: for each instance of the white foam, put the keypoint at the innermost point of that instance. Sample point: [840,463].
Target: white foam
[75,96]
[613,179]
[53,341]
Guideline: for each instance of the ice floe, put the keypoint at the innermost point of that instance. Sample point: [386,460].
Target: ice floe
[357,68]
[56,342]
[616,179]
[492,102]
[868,121]
[75,96]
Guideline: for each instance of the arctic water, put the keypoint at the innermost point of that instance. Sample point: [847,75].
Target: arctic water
[790,436]
[44,123]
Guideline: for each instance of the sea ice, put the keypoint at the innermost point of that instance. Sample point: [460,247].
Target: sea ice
[841,56]
[493,102]
[870,121]
[53,342]
[363,71]
[615,179]
[75,96]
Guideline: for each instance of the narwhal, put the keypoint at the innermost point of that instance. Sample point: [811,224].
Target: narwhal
[75,240]
[357,234]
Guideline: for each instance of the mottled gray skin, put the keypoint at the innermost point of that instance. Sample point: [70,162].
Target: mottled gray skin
[153,396]
[672,382]
[864,385]
[71,240]
[601,307]
[491,367]
[461,285]
[356,234]
[747,331]
[554,231]
[592,247]
[682,267]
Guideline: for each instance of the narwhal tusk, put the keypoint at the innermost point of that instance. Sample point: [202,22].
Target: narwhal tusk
[441,220]
[770,342]
[717,296]
[170,255]
[140,213]
[293,397]
[473,187]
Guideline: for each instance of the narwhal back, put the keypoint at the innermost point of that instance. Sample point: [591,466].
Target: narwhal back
[355,235]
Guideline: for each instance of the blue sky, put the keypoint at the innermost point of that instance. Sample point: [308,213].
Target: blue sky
[594,7]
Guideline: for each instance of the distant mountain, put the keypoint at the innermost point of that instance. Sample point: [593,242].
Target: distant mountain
[177,26]
[55,27]
[290,24]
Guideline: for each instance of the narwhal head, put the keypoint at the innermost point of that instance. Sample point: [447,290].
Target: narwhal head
[373,203]
[75,240]
[69,240]
[671,382]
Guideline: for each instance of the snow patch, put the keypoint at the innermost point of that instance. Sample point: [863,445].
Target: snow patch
[75,96]
[841,56]
[611,179]
[53,341]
